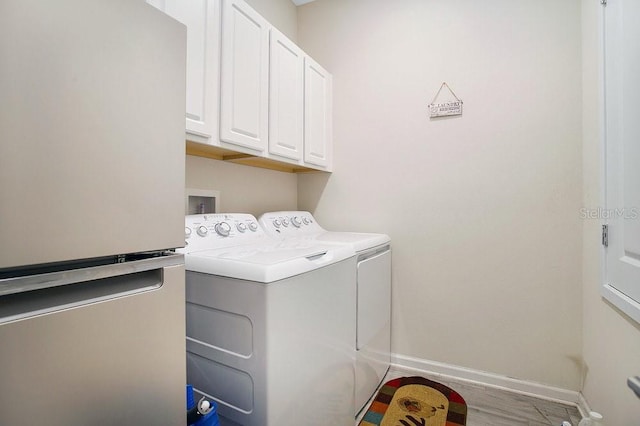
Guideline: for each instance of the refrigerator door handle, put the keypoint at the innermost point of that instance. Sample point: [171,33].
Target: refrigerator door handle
[78,289]
[634,384]
[26,283]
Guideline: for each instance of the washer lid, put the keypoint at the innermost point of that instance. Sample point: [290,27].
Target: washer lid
[266,263]
[359,241]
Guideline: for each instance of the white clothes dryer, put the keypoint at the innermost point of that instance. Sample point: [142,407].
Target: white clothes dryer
[269,330]
[373,286]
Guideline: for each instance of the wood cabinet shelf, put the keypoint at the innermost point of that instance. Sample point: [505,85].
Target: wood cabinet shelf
[217,153]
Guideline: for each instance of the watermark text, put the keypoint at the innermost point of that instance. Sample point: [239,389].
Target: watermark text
[600,213]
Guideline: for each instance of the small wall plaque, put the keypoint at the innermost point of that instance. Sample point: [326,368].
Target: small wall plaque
[445,109]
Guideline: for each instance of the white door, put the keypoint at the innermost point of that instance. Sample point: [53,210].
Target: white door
[286,97]
[202,19]
[317,114]
[244,77]
[622,94]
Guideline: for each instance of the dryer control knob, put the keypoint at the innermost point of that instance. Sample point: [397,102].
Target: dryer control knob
[296,221]
[187,232]
[306,220]
[223,229]
[277,223]
[253,226]
[241,227]
[202,231]
[285,222]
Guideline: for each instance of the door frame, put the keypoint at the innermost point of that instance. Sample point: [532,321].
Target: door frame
[624,303]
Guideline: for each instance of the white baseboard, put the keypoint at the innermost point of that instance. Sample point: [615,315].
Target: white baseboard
[454,372]
[583,405]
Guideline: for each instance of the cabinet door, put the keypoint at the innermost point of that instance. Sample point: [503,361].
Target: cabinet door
[286,97]
[202,19]
[244,77]
[317,115]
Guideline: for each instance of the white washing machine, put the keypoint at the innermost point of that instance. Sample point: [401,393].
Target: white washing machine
[268,324]
[373,284]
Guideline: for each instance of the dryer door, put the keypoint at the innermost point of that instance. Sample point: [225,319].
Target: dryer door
[374,299]
[373,339]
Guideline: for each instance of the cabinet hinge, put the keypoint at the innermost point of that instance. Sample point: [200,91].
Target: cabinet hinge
[605,235]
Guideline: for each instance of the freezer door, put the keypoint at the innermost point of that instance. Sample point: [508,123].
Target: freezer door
[104,352]
[91,130]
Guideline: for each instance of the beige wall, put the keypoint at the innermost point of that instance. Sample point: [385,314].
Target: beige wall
[243,189]
[248,189]
[282,14]
[483,209]
[611,340]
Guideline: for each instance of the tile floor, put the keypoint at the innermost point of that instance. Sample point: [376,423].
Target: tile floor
[490,406]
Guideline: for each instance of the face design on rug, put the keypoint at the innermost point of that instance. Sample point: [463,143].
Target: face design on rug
[409,404]
[412,405]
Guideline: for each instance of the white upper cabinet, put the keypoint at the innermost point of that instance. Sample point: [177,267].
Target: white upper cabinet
[317,115]
[202,19]
[286,98]
[250,89]
[244,83]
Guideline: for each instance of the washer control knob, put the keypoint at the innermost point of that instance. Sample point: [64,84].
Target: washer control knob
[187,232]
[306,220]
[241,227]
[253,226]
[223,229]
[277,223]
[202,231]
[296,221]
[285,222]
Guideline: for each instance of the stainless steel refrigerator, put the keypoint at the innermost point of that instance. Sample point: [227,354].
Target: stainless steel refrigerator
[92,107]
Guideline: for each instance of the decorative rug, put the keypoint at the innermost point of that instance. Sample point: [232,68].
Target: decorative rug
[416,401]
